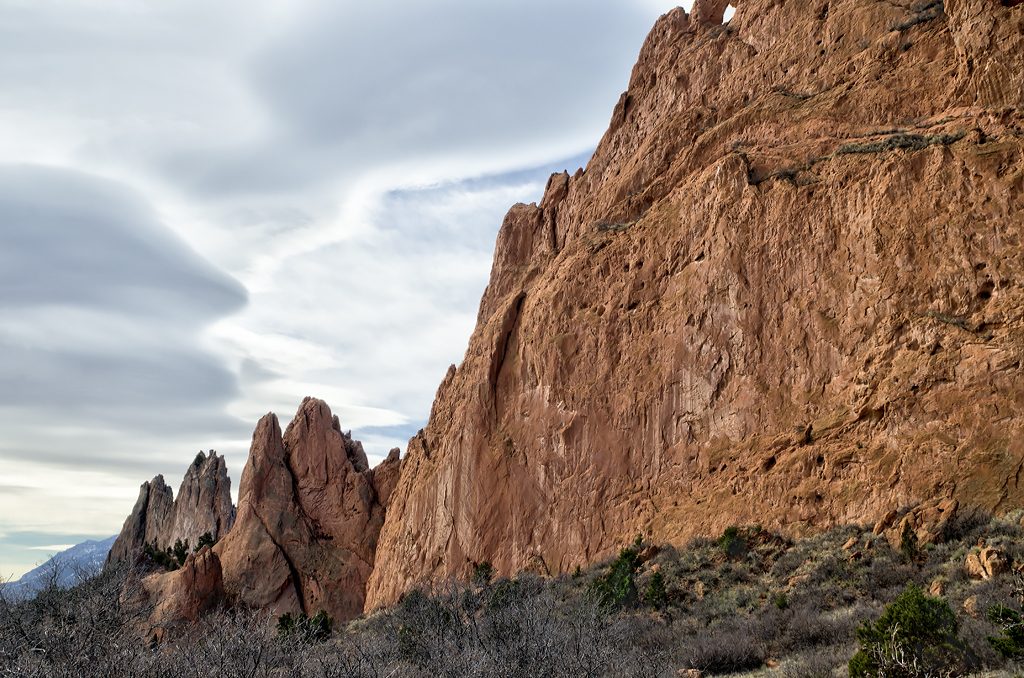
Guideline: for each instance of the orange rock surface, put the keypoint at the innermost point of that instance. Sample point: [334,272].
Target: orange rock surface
[182,596]
[310,510]
[786,290]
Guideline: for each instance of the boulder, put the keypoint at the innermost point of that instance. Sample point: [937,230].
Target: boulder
[971,607]
[927,523]
[986,563]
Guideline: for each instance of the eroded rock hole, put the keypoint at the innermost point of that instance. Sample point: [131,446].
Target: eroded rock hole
[986,289]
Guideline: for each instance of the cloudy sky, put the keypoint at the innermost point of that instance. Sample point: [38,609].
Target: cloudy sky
[209,210]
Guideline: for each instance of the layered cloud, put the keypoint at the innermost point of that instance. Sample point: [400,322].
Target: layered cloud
[104,307]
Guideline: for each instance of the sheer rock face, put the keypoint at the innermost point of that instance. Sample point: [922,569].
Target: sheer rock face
[204,501]
[310,511]
[149,518]
[203,505]
[787,290]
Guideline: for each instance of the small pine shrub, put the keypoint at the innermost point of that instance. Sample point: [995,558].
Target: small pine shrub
[732,542]
[617,588]
[655,593]
[161,557]
[319,627]
[180,551]
[1010,642]
[286,624]
[205,540]
[483,573]
[915,636]
[313,629]
[900,141]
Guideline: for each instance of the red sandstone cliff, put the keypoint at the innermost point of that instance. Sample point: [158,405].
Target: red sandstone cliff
[786,290]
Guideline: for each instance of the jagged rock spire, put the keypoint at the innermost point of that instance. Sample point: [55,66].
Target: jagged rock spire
[203,505]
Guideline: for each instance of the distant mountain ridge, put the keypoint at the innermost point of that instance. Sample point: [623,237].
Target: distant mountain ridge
[67,566]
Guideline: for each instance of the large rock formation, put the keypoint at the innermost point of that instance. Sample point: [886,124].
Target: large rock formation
[310,510]
[204,502]
[203,506]
[787,290]
[184,595]
[149,519]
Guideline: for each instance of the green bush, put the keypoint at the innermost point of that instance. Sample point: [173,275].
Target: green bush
[1010,642]
[915,636]
[286,623]
[483,573]
[180,551]
[313,629]
[732,542]
[617,588]
[162,558]
[900,141]
[655,593]
[205,540]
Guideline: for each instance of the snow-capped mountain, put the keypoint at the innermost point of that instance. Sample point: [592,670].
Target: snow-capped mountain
[66,566]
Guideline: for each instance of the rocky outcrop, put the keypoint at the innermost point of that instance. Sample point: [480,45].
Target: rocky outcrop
[987,562]
[149,518]
[786,290]
[310,511]
[204,502]
[203,506]
[926,523]
[185,594]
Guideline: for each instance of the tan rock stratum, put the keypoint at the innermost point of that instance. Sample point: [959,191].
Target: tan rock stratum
[786,290]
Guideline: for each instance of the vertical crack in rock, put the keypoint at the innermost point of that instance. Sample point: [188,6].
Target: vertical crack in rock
[294,576]
[503,343]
